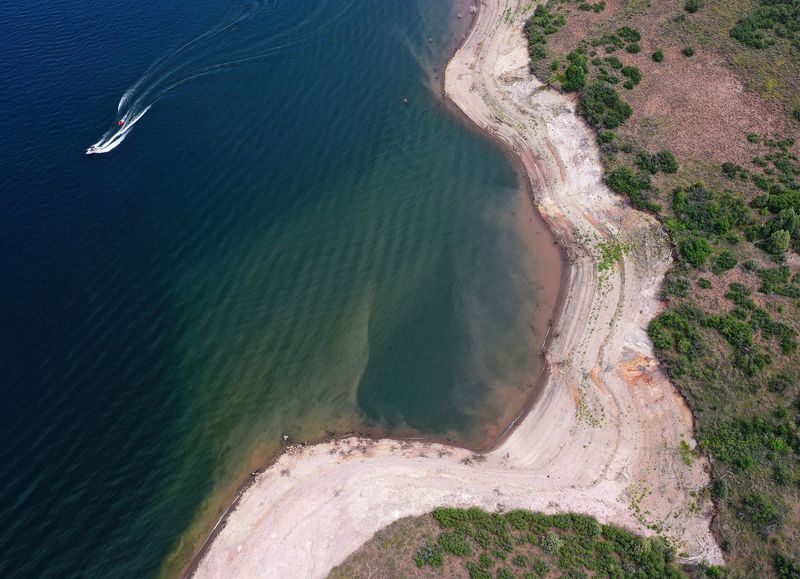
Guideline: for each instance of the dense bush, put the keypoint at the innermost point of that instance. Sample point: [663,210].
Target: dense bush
[688,51]
[658,56]
[661,162]
[597,7]
[703,210]
[602,107]
[676,330]
[761,513]
[629,34]
[637,187]
[778,242]
[691,6]
[724,261]
[771,19]
[575,75]
[695,250]
[786,568]
[429,554]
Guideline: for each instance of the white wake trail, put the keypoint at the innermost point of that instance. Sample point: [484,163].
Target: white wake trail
[191,61]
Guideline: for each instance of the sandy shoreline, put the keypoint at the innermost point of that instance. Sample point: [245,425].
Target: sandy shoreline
[603,436]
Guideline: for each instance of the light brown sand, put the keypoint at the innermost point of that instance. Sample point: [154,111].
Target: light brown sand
[603,438]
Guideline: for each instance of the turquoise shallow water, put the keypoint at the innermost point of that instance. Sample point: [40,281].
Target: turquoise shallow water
[278,246]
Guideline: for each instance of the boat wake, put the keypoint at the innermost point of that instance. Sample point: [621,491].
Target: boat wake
[245,37]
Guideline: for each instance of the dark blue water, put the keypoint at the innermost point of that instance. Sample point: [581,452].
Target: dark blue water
[279,246]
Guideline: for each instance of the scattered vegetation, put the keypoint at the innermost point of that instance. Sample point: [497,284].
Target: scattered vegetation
[526,544]
[728,335]
[538,27]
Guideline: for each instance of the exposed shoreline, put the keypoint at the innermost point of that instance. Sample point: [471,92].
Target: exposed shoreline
[603,425]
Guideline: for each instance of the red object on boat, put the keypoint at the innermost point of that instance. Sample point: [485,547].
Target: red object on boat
[120,123]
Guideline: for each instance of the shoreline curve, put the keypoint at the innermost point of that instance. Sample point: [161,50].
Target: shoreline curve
[601,434]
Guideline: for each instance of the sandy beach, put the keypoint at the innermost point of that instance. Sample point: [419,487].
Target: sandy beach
[604,435]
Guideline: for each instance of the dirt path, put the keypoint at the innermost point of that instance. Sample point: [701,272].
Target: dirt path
[603,438]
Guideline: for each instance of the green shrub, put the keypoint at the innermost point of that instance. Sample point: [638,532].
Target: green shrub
[786,568]
[796,114]
[637,187]
[778,242]
[613,62]
[676,330]
[574,78]
[724,261]
[703,283]
[691,6]
[475,572]
[629,34]
[720,489]
[761,512]
[602,106]
[632,73]
[540,568]
[695,250]
[703,210]
[455,543]
[688,52]
[606,136]
[624,181]
[521,561]
[658,56]
[663,161]
[633,48]
[551,543]
[485,561]
[429,554]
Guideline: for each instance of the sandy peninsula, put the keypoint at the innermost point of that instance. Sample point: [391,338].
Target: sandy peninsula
[602,439]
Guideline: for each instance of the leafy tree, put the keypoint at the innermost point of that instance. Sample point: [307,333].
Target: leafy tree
[688,52]
[658,56]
